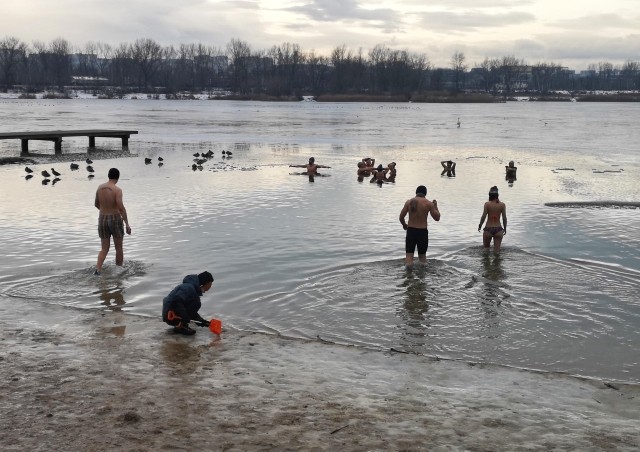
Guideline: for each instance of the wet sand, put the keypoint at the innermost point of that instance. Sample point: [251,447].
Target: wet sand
[89,380]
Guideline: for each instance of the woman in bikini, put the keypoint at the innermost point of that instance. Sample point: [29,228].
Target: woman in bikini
[493,208]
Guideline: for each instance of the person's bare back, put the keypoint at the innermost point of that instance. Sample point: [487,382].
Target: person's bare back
[107,196]
[418,209]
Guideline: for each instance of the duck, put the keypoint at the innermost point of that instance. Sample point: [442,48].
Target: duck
[194,167]
[147,161]
[89,161]
[55,181]
[90,169]
[28,170]
[91,176]
[229,153]
[45,181]
[197,154]
[74,166]
[45,173]
[28,176]
[160,159]
[54,172]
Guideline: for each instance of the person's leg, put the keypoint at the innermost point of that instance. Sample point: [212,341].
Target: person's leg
[408,260]
[102,255]
[117,242]
[409,247]
[497,241]
[486,239]
[422,244]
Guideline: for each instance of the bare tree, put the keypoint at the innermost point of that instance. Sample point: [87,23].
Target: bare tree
[60,61]
[13,53]
[459,68]
[511,68]
[317,73]
[630,74]
[239,52]
[543,76]
[146,55]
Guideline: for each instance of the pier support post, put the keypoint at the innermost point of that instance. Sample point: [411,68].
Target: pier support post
[25,146]
[125,141]
[58,145]
[92,142]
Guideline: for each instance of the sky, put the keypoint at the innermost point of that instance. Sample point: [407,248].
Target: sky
[573,33]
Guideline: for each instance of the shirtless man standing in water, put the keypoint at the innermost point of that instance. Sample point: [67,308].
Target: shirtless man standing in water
[112,214]
[494,208]
[311,167]
[418,209]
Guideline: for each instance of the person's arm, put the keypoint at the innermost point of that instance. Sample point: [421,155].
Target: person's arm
[122,210]
[200,321]
[322,166]
[97,201]
[484,217]
[403,213]
[297,166]
[435,213]
[504,219]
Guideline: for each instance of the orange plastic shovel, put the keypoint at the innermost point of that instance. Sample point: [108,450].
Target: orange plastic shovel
[215,326]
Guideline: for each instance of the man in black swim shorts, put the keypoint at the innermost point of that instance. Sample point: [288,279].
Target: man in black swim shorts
[418,209]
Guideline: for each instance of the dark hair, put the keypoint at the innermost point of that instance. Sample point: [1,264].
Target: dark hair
[204,278]
[493,193]
[311,159]
[380,167]
[114,173]
[421,190]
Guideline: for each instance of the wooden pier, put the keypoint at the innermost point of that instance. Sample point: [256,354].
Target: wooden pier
[57,135]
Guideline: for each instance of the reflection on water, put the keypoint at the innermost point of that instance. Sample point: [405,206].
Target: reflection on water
[112,298]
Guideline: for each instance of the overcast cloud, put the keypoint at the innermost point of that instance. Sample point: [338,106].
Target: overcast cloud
[570,32]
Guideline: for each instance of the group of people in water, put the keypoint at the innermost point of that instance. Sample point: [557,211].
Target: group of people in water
[379,174]
[182,304]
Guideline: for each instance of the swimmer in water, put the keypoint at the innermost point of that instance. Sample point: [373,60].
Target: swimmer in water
[493,230]
[311,167]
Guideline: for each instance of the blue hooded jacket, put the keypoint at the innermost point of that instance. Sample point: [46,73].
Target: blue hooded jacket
[186,294]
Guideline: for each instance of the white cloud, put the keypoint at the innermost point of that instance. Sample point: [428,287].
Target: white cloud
[529,29]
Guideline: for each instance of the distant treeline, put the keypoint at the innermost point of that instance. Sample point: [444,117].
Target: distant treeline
[286,71]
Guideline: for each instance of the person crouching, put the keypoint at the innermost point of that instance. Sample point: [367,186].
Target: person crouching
[182,304]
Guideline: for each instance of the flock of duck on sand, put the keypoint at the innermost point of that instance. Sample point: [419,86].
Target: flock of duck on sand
[199,160]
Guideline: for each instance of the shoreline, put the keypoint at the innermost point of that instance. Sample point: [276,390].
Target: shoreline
[75,378]
[436,97]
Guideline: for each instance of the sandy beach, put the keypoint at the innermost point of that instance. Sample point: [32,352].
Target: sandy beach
[105,380]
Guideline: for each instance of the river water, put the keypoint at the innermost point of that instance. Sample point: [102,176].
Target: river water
[324,258]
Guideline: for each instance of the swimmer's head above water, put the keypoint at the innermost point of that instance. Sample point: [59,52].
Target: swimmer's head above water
[421,190]
[493,193]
